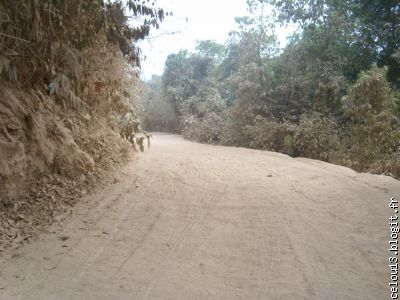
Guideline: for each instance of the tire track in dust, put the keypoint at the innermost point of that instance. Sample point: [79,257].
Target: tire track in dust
[147,232]
[318,235]
[273,247]
[269,248]
[101,206]
[145,291]
[186,211]
[92,259]
[294,207]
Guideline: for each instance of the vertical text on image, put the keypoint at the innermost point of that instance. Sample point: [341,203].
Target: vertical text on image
[394,249]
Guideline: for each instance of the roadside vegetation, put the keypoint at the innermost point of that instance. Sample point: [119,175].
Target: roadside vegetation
[68,82]
[332,93]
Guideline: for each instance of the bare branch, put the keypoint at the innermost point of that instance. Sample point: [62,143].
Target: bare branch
[14,37]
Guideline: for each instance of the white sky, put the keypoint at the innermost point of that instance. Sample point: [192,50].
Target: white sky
[207,20]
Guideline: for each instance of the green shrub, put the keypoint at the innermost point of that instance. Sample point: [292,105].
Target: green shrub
[369,109]
[270,135]
[206,130]
[288,144]
[317,137]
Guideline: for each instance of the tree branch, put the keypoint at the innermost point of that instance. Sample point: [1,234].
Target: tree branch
[14,37]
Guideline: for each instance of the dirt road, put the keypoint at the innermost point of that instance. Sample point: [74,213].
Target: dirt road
[191,221]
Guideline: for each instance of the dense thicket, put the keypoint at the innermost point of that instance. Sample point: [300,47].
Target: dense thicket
[43,42]
[83,55]
[331,93]
[68,86]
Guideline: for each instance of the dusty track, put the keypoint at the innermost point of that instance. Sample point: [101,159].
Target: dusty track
[191,221]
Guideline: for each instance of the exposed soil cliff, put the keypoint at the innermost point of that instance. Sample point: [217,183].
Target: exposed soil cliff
[49,157]
[67,79]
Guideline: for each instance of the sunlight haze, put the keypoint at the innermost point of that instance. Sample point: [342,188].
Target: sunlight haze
[192,21]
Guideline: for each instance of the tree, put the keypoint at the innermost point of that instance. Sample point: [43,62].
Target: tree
[369,110]
[380,21]
[157,114]
[211,49]
[369,28]
[184,75]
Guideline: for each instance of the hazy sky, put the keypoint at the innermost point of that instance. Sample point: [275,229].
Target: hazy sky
[206,19]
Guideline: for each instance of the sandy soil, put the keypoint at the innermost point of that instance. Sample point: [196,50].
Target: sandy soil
[191,221]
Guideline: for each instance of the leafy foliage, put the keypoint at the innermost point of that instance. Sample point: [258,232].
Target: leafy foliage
[211,49]
[42,42]
[270,135]
[368,28]
[369,110]
[318,97]
[183,75]
[209,129]
[157,114]
[318,137]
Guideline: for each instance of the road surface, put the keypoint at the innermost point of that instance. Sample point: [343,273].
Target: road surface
[192,221]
